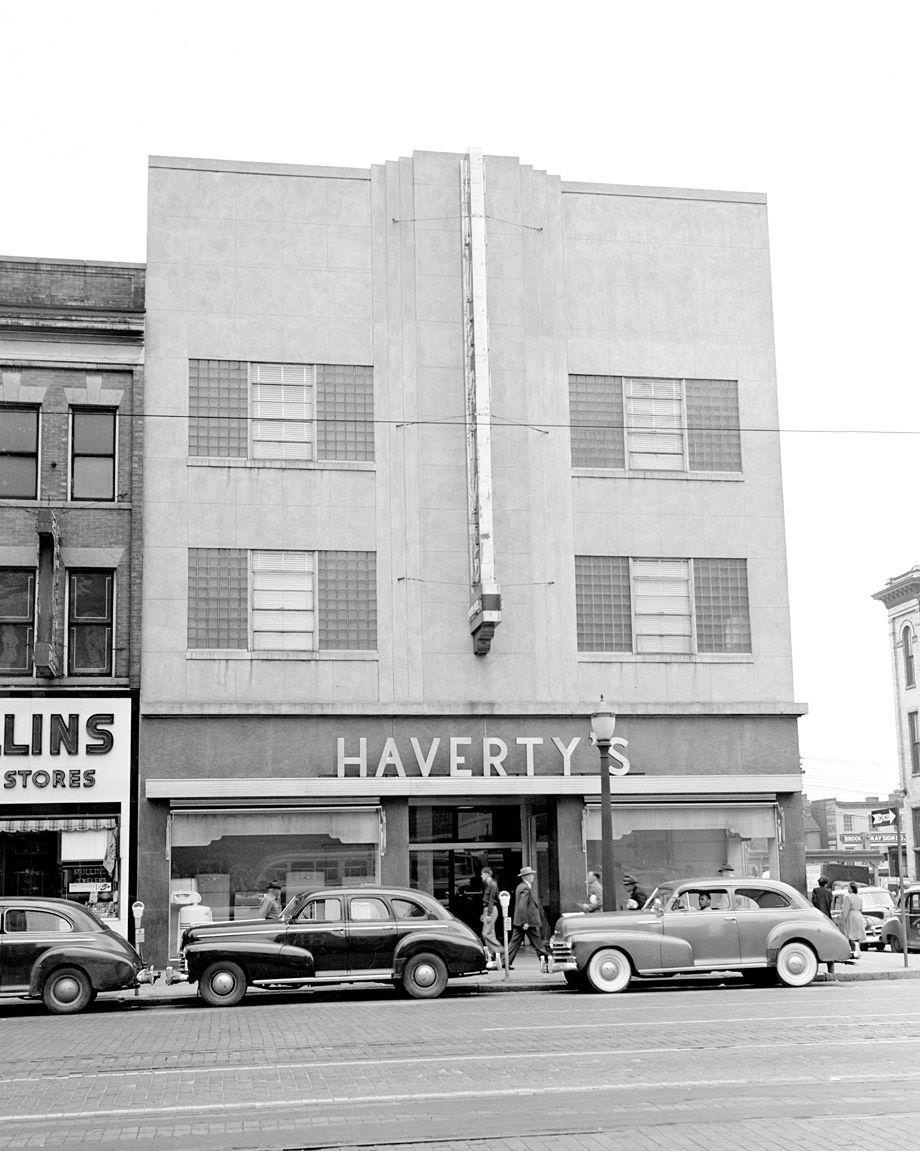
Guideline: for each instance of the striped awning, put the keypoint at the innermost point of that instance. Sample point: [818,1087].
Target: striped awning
[71,823]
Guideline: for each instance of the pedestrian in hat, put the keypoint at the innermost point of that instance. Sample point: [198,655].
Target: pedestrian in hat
[634,892]
[270,907]
[528,920]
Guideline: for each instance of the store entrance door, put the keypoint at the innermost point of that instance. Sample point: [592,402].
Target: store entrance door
[452,875]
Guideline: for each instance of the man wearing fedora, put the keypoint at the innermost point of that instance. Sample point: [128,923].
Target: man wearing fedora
[528,920]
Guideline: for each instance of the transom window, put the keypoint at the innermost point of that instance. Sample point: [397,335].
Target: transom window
[662,606]
[90,630]
[654,424]
[18,452]
[92,433]
[17,620]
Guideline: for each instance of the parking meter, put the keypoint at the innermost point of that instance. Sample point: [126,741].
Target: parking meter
[504,898]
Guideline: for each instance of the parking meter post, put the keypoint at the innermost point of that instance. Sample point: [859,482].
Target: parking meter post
[137,910]
[504,898]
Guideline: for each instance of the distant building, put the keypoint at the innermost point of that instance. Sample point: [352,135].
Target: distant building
[71,387]
[901,596]
[440,451]
[848,839]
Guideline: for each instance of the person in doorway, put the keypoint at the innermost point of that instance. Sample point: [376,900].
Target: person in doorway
[528,920]
[595,893]
[821,896]
[635,895]
[489,916]
[852,922]
[270,907]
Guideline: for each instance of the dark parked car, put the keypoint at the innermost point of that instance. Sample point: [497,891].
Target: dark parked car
[337,935]
[61,952]
[762,928]
[891,932]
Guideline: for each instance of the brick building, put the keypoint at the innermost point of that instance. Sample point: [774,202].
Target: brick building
[71,465]
[442,451]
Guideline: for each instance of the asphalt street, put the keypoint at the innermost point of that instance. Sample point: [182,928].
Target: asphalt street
[678,1064]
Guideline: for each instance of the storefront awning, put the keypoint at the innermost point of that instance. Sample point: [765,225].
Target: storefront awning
[73,823]
[750,821]
[198,829]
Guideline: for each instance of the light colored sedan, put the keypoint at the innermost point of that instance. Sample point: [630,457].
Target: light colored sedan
[763,928]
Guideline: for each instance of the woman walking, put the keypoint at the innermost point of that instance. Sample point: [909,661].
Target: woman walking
[852,922]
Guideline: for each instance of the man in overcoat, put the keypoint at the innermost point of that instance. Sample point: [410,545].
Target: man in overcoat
[528,920]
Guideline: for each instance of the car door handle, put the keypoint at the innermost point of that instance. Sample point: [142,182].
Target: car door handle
[731,919]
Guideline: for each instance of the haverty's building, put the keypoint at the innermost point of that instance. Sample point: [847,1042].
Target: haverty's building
[438,453]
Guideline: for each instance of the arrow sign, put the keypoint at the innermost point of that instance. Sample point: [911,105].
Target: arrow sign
[883,817]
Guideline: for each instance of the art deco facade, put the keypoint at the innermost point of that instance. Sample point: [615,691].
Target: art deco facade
[439,452]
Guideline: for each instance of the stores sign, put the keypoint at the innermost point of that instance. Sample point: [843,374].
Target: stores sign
[59,749]
[464,757]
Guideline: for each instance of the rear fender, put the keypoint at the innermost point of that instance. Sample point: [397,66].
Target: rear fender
[461,956]
[827,942]
[106,971]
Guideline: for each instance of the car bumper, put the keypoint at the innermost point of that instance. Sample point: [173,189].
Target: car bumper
[560,955]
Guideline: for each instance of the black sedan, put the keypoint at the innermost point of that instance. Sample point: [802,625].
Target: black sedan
[60,952]
[337,935]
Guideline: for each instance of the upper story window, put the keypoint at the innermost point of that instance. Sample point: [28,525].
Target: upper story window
[913,740]
[17,620]
[907,646]
[662,606]
[90,622]
[302,412]
[18,452]
[848,823]
[282,601]
[92,459]
[650,424]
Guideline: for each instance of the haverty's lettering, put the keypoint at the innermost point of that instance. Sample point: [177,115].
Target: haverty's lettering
[463,757]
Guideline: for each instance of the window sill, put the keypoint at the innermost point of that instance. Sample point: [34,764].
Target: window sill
[653,474]
[664,657]
[280,656]
[284,465]
[30,681]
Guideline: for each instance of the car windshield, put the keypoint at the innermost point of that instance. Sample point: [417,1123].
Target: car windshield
[876,901]
[664,893]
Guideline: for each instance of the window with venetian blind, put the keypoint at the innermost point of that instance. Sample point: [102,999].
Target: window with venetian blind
[282,601]
[662,606]
[654,424]
[281,412]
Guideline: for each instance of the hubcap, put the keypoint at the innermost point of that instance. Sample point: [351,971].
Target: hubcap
[795,963]
[67,989]
[222,983]
[424,975]
[610,969]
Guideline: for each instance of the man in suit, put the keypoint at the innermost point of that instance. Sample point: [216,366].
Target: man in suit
[528,920]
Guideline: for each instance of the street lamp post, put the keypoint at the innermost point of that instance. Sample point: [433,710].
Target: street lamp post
[602,725]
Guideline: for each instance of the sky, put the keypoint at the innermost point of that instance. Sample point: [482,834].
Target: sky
[813,103]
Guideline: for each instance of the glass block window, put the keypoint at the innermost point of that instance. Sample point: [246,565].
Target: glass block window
[722,611]
[907,647]
[654,424]
[655,437]
[218,408]
[661,605]
[218,598]
[17,620]
[603,610]
[344,412]
[596,415]
[283,618]
[713,427]
[282,411]
[347,593]
[18,453]
[90,622]
[92,456]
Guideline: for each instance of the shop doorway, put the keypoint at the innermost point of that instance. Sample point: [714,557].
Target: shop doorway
[452,875]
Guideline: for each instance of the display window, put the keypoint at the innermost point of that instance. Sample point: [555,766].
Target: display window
[223,861]
[74,857]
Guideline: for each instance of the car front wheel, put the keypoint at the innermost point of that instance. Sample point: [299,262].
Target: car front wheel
[796,964]
[609,971]
[67,991]
[425,976]
[222,984]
